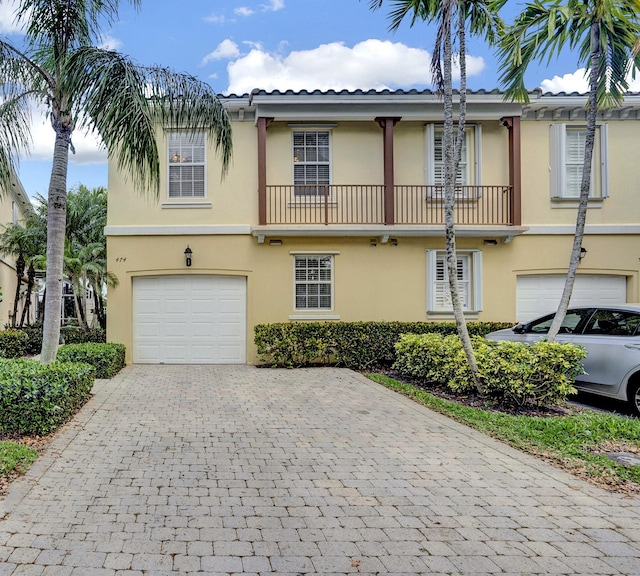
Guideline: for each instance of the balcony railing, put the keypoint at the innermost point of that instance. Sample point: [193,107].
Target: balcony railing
[364,204]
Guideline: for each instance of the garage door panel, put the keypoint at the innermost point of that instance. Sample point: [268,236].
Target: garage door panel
[189,319]
[540,294]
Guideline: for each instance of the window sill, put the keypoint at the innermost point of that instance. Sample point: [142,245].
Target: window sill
[190,204]
[314,316]
[448,314]
[559,202]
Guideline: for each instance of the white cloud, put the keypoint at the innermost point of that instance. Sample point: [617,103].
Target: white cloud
[243,11]
[273,6]
[574,82]
[578,81]
[110,43]
[226,49]
[216,19]
[8,10]
[371,64]
[89,149]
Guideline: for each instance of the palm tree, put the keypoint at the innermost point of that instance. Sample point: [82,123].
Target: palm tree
[85,262]
[605,35]
[25,241]
[482,18]
[98,90]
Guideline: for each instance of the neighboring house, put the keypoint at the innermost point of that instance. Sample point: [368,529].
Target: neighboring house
[332,210]
[14,206]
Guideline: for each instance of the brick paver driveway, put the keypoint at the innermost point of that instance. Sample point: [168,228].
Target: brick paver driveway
[238,470]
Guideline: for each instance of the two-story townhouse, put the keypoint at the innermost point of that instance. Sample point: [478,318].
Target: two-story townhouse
[332,210]
[14,207]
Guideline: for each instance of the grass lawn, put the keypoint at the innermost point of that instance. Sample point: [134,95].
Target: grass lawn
[15,459]
[577,442]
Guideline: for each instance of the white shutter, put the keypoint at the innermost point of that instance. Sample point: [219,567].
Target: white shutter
[556,159]
[604,161]
[469,267]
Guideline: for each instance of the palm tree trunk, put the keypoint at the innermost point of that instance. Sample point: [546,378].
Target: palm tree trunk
[451,160]
[57,206]
[20,265]
[585,185]
[31,275]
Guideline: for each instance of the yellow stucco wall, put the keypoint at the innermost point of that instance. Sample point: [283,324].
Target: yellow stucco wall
[380,283]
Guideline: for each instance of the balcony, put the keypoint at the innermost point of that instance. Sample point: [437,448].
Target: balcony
[327,205]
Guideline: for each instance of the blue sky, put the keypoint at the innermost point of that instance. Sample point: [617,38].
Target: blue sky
[238,45]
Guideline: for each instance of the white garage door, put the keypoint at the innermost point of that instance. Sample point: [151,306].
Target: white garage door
[189,320]
[539,294]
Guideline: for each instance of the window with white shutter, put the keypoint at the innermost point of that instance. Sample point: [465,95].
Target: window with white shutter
[469,176]
[311,162]
[187,170]
[567,159]
[313,282]
[469,270]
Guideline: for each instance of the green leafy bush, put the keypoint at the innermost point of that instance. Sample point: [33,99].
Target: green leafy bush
[514,373]
[37,399]
[107,359]
[13,343]
[542,373]
[75,335]
[357,345]
[34,339]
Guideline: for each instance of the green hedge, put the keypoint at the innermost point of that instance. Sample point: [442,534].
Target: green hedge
[515,373]
[75,335]
[37,399]
[13,343]
[358,345]
[18,342]
[107,359]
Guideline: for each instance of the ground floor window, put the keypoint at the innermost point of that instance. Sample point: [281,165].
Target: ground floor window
[313,282]
[469,268]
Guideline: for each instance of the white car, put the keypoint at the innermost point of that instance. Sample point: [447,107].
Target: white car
[611,336]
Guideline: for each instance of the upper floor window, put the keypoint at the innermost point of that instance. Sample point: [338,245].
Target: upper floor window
[313,282]
[469,174]
[469,267]
[567,159]
[311,162]
[187,165]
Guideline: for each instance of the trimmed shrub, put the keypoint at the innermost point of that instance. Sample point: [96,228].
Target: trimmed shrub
[34,336]
[75,335]
[37,399]
[514,373]
[107,359]
[542,373]
[357,345]
[13,343]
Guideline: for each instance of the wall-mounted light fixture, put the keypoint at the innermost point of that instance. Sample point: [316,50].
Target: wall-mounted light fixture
[187,256]
[373,242]
[393,242]
[583,252]
[491,242]
[275,242]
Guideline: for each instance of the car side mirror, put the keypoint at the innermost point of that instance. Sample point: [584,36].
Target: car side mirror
[519,328]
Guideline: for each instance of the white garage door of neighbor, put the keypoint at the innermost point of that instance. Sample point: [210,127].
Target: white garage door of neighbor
[189,320]
[540,293]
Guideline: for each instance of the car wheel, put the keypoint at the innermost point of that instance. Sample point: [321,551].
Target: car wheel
[634,398]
